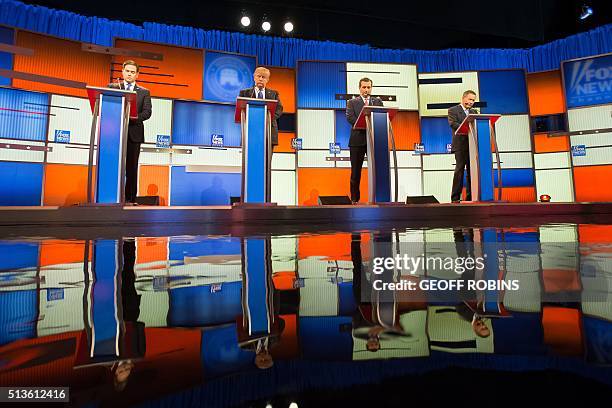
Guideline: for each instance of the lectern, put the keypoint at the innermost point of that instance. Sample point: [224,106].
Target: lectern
[111,113]
[255,118]
[480,131]
[376,120]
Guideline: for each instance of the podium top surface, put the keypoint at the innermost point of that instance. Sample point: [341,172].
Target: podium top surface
[94,91]
[242,102]
[360,123]
[464,127]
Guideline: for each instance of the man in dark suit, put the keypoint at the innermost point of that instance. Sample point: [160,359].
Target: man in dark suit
[261,76]
[461,146]
[357,142]
[136,126]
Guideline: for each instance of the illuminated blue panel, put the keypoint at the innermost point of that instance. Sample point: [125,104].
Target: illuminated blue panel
[23,114]
[326,338]
[343,129]
[17,255]
[319,82]
[199,306]
[193,123]
[110,151]
[104,297]
[225,75]
[519,237]
[598,338]
[435,134]
[520,334]
[255,166]
[346,299]
[503,91]
[18,315]
[7,36]
[21,183]
[221,353]
[588,81]
[485,160]
[203,188]
[516,178]
[180,248]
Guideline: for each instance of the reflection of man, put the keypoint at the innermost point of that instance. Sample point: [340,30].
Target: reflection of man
[460,145]
[261,76]
[357,141]
[136,127]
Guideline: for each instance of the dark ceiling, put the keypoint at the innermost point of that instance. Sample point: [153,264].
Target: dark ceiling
[408,24]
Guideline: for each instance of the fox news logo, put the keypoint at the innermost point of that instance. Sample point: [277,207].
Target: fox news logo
[216,140]
[296,144]
[579,150]
[334,148]
[589,81]
[419,147]
[163,141]
[62,136]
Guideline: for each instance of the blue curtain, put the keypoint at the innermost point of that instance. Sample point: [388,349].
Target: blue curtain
[285,52]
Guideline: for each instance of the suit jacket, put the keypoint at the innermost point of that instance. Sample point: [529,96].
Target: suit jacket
[270,94]
[456,115]
[143,103]
[353,109]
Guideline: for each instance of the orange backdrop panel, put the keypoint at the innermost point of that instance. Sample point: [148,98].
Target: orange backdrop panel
[406,129]
[184,64]
[332,246]
[288,346]
[151,250]
[57,252]
[313,182]
[284,143]
[284,280]
[545,144]
[65,184]
[59,58]
[562,330]
[588,181]
[518,194]
[154,181]
[595,233]
[283,80]
[545,93]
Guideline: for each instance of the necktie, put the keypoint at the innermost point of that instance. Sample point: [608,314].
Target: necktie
[128,87]
[367,101]
[260,94]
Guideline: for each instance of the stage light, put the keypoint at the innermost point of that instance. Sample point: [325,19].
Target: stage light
[293,405]
[587,11]
[288,26]
[545,198]
[266,26]
[245,21]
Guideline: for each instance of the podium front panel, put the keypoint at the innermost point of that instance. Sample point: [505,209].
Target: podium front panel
[111,145]
[379,164]
[485,161]
[255,154]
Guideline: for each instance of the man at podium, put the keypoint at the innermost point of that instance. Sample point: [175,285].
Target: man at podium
[461,146]
[136,126]
[261,76]
[357,142]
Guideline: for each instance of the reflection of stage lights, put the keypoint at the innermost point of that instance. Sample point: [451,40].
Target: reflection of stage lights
[245,21]
[266,26]
[288,26]
[545,198]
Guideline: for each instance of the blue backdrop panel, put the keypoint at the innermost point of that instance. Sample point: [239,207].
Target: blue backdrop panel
[504,91]
[519,237]
[18,315]
[106,268]
[520,334]
[203,188]
[435,134]
[485,160]
[221,353]
[225,75]
[588,81]
[326,338]
[17,255]
[598,337]
[343,129]
[516,178]
[319,82]
[21,183]
[346,299]
[198,306]
[179,249]
[23,114]
[110,154]
[7,36]
[255,164]
[381,147]
[193,123]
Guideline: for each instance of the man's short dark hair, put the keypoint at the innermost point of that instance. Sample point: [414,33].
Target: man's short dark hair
[468,92]
[365,80]
[131,62]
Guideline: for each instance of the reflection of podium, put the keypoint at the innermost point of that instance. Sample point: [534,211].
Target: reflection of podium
[377,122]
[111,112]
[255,117]
[480,129]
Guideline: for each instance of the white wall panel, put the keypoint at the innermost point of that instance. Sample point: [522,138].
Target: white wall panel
[594,156]
[592,140]
[284,187]
[207,157]
[512,133]
[551,160]
[438,184]
[514,160]
[347,163]
[406,158]
[160,158]
[283,161]
[439,162]
[387,79]
[72,114]
[13,154]
[160,122]
[410,183]
[445,93]
[316,128]
[556,183]
[69,154]
[596,117]
[314,158]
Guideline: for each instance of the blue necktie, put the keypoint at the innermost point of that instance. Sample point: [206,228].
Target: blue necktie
[260,95]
